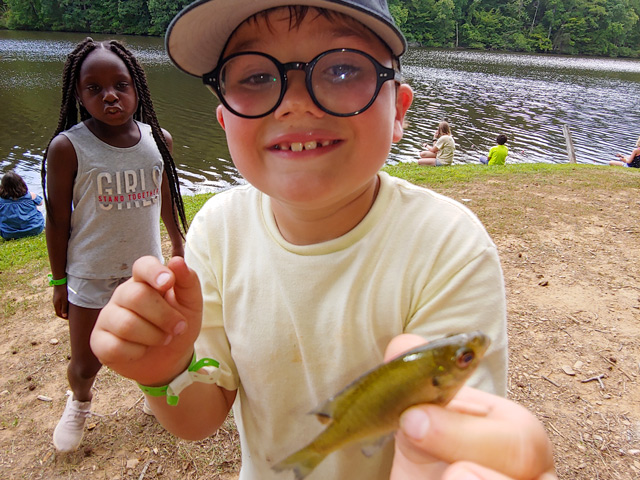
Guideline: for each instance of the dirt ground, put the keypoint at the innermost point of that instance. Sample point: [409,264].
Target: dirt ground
[570,250]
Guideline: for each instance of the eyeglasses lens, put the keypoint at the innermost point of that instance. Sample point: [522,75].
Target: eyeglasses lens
[342,83]
[250,84]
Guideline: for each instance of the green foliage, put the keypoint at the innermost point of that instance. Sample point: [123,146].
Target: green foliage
[591,27]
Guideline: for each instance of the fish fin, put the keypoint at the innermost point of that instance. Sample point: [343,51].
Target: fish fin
[323,418]
[324,413]
[369,448]
[302,462]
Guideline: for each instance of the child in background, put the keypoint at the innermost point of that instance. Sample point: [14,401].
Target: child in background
[303,278]
[441,152]
[19,214]
[498,153]
[107,181]
[633,160]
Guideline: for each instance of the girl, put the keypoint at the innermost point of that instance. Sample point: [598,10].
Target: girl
[632,160]
[441,153]
[108,179]
[19,214]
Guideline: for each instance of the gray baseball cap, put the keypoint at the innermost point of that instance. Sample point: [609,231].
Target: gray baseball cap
[198,34]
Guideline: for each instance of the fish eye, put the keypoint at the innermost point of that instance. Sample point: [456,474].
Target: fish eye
[464,357]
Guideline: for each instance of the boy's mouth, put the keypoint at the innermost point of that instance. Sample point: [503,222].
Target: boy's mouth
[300,146]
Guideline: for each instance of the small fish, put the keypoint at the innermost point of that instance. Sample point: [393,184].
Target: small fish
[368,410]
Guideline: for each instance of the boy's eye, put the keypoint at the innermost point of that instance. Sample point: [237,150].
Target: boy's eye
[340,73]
[257,80]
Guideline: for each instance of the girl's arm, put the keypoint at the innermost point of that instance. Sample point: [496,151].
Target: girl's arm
[62,165]
[168,213]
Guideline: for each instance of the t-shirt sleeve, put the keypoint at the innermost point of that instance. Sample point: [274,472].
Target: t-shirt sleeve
[212,341]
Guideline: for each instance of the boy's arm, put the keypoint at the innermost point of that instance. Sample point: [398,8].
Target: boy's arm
[452,442]
[146,333]
[168,213]
[62,165]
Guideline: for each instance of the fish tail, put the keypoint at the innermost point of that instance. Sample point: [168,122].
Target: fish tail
[302,462]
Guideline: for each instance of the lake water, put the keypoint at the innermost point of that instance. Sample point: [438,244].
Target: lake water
[527,97]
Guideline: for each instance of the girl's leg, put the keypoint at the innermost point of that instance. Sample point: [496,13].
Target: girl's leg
[84,365]
[617,163]
[82,371]
[427,161]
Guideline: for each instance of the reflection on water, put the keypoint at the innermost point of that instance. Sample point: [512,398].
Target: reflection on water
[527,97]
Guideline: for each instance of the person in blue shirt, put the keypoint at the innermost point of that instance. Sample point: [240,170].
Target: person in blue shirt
[19,214]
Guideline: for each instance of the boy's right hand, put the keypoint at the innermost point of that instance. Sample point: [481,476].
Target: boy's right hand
[147,330]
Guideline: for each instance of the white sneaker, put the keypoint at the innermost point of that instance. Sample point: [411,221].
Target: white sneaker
[146,408]
[70,429]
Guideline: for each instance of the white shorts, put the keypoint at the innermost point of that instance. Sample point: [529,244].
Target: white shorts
[91,292]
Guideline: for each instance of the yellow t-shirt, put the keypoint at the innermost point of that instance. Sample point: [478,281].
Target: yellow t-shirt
[292,325]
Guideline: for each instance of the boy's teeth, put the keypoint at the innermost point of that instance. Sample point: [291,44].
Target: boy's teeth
[299,146]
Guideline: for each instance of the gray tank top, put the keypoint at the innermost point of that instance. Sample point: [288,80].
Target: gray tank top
[116,204]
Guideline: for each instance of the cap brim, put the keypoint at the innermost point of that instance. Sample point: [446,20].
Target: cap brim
[197,35]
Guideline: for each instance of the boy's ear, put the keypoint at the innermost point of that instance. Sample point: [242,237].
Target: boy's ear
[220,117]
[404,97]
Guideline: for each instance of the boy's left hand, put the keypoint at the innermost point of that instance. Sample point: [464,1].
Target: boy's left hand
[477,436]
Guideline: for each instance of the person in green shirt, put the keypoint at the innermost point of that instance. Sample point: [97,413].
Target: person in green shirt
[498,153]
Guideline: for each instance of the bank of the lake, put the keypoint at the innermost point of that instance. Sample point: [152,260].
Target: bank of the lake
[528,97]
[569,242]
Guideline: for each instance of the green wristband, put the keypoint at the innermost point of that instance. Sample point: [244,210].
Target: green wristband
[186,378]
[52,282]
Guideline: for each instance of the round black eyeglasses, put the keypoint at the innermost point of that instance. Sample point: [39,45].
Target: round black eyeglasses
[341,82]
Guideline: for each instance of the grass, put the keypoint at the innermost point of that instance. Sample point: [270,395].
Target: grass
[30,254]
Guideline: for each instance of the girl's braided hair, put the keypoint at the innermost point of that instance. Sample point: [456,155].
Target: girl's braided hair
[145,113]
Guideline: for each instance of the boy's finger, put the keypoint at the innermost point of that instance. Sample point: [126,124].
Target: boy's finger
[146,304]
[186,289]
[519,447]
[112,350]
[149,270]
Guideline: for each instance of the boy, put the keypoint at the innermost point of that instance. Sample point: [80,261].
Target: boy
[309,273]
[498,153]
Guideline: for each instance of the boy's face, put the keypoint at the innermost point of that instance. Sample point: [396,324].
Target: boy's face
[348,150]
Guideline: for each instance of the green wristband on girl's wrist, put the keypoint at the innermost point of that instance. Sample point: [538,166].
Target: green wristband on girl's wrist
[172,390]
[60,281]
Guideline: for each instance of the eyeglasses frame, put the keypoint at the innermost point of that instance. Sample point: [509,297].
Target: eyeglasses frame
[383,74]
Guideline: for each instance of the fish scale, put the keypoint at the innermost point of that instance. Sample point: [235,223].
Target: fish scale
[369,409]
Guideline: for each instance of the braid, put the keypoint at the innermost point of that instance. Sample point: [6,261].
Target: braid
[147,114]
[68,108]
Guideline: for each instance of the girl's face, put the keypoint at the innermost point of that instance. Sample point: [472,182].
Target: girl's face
[105,88]
[303,158]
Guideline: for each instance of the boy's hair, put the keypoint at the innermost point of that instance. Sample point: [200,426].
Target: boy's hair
[198,35]
[70,109]
[501,139]
[444,128]
[12,186]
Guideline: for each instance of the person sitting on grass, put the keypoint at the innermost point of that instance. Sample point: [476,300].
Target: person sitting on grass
[633,160]
[498,153]
[441,153]
[19,214]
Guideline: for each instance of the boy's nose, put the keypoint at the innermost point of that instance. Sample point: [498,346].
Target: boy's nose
[297,99]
